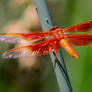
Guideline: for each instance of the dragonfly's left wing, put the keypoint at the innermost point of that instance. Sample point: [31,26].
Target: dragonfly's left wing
[40,48]
[16,37]
[80,39]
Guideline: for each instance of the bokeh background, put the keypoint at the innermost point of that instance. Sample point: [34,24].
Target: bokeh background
[36,74]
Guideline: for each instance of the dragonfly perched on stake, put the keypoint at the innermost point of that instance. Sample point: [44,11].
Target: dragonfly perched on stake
[58,38]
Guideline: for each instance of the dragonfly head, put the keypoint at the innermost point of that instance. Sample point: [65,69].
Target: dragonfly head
[53,28]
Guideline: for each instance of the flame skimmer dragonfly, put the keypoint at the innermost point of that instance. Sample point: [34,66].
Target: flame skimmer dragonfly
[58,38]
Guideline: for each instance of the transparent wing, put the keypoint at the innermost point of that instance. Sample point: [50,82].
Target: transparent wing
[10,38]
[82,27]
[80,40]
[40,48]
[17,52]
[16,37]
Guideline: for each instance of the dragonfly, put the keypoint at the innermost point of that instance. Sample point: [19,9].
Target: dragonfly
[47,41]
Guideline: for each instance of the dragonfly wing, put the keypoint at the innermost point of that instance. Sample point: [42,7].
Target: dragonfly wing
[80,40]
[9,38]
[18,52]
[40,48]
[82,27]
[17,37]
[46,46]
[32,36]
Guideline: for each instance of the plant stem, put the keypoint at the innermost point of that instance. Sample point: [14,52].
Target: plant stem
[59,68]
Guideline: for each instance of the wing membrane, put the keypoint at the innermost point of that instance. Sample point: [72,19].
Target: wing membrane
[15,37]
[82,27]
[40,48]
[80,40]
[9,38]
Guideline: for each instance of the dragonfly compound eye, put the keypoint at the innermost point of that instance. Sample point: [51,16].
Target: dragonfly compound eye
[53,28]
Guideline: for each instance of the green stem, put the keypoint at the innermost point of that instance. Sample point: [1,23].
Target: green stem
[60,68]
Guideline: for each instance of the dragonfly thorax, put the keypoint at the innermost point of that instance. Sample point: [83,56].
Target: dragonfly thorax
[57,32]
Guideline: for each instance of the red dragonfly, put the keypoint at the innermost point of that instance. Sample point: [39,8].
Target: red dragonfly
[58,38]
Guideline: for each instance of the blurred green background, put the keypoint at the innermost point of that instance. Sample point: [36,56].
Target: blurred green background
[73,12]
